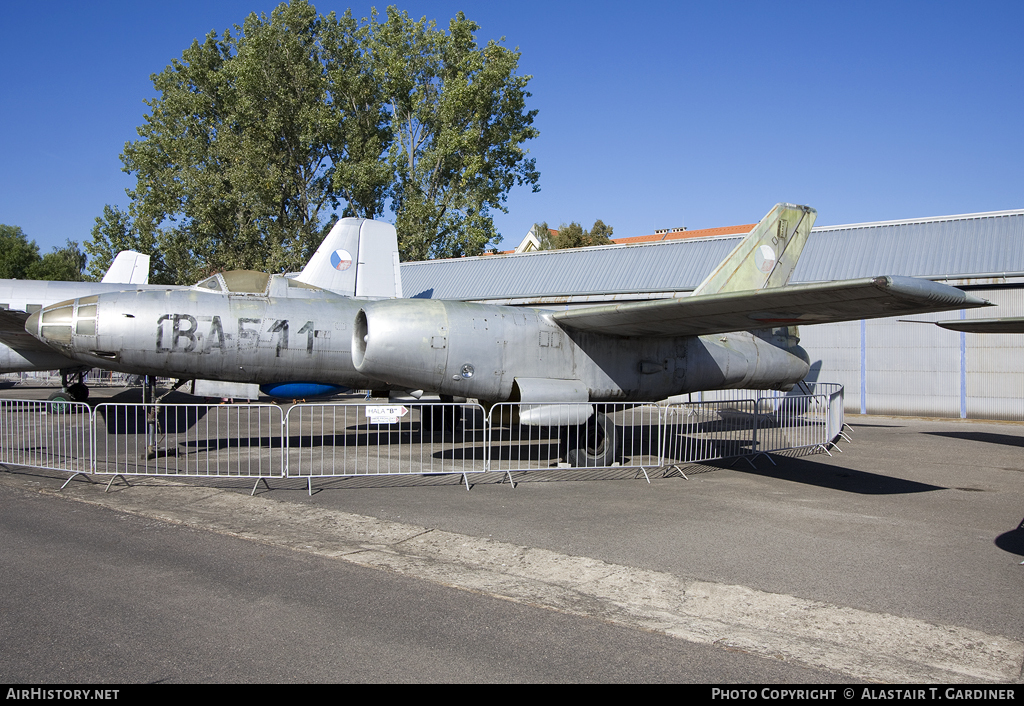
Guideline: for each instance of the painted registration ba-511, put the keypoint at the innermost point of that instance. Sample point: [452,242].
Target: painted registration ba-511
[290,335]
[238,326]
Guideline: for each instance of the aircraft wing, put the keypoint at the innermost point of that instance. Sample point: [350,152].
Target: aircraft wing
[817,303]
[1005,325]
[14,335]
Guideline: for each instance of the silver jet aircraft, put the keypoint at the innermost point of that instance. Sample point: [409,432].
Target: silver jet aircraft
[737,330]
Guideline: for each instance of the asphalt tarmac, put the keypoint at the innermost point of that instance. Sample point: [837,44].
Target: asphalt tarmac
[897,560]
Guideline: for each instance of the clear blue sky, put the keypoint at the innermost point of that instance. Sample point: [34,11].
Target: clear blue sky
[651,114]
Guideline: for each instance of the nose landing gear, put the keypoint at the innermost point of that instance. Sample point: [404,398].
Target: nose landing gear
[76,391]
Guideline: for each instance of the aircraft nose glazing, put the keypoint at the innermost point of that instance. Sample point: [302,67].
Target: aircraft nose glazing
[59,323]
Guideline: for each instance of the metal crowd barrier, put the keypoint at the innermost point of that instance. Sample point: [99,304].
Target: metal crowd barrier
[614,434]
[709,431]
[54,435]
[330,440]
[802,389]
[791,423]
[344,440]
[229,440]
[836,418]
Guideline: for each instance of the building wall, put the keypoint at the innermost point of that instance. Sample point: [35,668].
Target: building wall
[892,367]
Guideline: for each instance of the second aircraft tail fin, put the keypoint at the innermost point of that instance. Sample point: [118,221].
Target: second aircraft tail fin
[129,267]
[358,258]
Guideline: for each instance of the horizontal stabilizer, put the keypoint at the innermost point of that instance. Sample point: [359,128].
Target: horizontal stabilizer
[1005,325]
[818,303]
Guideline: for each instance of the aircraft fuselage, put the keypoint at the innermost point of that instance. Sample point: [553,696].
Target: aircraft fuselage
[477,350]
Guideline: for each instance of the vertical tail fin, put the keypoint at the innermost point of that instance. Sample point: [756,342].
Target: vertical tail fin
[358,258]
[129,267]
[767,256]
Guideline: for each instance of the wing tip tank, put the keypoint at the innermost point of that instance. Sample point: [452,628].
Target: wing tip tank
[927,290]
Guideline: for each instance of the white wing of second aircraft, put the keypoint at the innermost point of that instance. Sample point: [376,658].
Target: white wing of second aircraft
[1009,324]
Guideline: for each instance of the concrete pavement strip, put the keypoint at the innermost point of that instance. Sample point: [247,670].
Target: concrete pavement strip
[856,643]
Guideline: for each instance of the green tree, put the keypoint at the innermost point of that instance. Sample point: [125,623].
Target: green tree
[257,135]
[573,235]
[600,233]
[544,236]
[19,258]
[64,264]
[361,176]
[114,232]
[17,252]
[458,123]
[237,163]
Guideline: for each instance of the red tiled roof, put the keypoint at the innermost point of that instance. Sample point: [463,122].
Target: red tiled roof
[658,237]
[681,234]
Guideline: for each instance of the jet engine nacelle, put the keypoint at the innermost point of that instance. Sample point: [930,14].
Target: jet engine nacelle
[448,347]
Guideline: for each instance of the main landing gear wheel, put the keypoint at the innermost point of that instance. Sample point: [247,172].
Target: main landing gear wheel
[441,419]
[60,400]
[592,444]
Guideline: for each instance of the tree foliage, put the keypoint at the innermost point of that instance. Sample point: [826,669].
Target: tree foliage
[114,232]
[257,135]
[19,258]
[458,122]
[17,253]
[234,168]
[573,235]
[61,264]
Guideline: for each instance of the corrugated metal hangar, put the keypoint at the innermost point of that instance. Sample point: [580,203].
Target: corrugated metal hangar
[887,366]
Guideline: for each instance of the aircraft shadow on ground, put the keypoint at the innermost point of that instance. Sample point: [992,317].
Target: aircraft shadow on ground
[639,445]
[1012,541]
[133,420]
[250,442]
[982,436]
[848,480]
[544,444]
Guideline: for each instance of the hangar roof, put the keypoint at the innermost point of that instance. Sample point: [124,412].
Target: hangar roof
[970,246]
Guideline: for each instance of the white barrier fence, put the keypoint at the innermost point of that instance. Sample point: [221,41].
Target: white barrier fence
[259,441]
[709,431]
[345,440]
[55,435]
[242,440]
[610,434]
